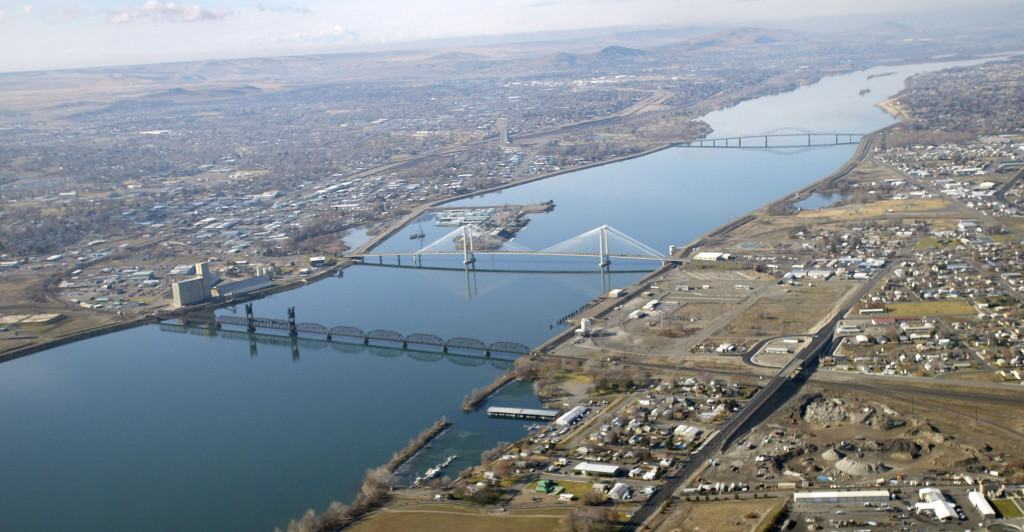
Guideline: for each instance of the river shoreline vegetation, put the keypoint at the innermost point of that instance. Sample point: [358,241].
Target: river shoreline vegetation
[373,493]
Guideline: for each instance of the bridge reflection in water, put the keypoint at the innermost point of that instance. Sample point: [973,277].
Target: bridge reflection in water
[303,343]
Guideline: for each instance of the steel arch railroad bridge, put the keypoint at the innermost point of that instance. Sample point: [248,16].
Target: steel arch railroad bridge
[386,336]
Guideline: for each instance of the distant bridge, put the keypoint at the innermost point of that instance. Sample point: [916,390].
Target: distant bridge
[778,140]
[251,323]
[603,243]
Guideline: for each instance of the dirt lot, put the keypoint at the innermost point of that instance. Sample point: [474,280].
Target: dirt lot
[853,437]
[785,310]
[723,516]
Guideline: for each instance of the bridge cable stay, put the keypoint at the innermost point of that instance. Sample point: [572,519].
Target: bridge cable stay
[452,242]
[604,242]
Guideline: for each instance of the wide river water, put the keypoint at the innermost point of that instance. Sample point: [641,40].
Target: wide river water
[157,429]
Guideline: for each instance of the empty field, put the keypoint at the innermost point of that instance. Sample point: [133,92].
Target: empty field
[450,517]
[722,516]
[929,308]
[1007,508]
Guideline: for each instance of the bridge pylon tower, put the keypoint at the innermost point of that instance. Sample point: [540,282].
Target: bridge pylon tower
[292,330]
[602,239]
[250,321]
[467,246]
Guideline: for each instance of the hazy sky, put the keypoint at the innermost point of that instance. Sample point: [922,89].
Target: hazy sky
[46,34]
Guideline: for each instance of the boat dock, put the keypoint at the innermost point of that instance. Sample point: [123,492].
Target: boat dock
[523,413]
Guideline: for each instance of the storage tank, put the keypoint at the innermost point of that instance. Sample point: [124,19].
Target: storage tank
[586,326]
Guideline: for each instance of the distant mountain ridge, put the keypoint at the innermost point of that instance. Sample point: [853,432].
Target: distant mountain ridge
[744,37]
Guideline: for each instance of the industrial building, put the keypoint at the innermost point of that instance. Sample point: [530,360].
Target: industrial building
[979,501]
[183,270]
[834,496]
[194,290]
[571,416]
[933,499]
[712,256]
[685,434]
[588,468]
[586,328]
[244,286]
[138,277]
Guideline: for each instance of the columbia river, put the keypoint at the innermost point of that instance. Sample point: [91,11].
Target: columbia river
[160,430]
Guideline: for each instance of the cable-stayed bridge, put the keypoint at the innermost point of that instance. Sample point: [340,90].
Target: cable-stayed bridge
[603,243]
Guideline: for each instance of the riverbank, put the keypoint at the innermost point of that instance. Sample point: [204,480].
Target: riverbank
[482,394]
[417,444]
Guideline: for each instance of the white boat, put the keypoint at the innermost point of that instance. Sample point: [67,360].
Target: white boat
[436,470]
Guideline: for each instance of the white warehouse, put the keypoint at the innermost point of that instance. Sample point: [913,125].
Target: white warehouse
[979,501]
[571,416]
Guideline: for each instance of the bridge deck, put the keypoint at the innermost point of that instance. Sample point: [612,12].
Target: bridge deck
[765,141]
[500,252]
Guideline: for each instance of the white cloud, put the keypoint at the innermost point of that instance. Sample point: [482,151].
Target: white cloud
[168,12]
[27,9]
[284,9]
[62,33]
[335,34]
